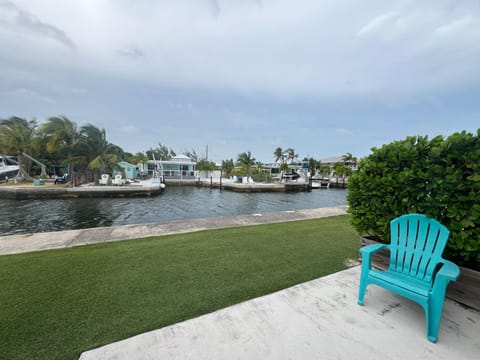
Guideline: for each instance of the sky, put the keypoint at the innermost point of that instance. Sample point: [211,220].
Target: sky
[323,77]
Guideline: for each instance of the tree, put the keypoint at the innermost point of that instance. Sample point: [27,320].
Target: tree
[192,155]
[138,158]
[341,170]
[246,161]
[349,160]
[17,136]
[325,170]
[283,156]
[279,155]
[162,152]
[63,139]
[227,167]
[102,155]
[205,165]
[291,155]
[313,165]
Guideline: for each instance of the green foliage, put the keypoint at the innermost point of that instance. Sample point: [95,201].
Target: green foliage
[259,174]
[227,167]
[205,165]
[162,152]
[284,167]
[438,177]
[245,160]
[285,155]
[313,165]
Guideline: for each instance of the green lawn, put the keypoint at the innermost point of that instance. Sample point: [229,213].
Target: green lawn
[56,304]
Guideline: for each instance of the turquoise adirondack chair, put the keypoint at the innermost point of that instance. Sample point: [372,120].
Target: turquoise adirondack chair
[417,270]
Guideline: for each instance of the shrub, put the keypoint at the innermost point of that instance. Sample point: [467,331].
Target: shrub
[439,178]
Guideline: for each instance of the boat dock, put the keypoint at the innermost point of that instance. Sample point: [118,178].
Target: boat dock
[61,192]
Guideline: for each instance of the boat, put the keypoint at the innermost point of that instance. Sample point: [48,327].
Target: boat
[8,167]
[320,182]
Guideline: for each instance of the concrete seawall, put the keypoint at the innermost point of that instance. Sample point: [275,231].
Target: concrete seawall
[227,184]
[15,244]
[39,192]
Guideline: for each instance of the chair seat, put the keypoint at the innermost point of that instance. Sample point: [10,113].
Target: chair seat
[403,281]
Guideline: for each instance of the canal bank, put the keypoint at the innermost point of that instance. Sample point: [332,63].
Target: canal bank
[228,184]
[51,191]
[15,244]
[46,192]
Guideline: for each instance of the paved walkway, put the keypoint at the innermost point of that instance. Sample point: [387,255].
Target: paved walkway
[315,320]
[15,244]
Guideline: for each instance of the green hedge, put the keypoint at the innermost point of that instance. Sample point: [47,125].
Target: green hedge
[438,177]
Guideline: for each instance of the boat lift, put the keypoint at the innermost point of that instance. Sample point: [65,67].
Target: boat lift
[42,166]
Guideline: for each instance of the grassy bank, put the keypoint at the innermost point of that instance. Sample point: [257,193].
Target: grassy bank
[55,304]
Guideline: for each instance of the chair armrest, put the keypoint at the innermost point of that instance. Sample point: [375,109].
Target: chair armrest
[449,271]
[368,251]
[372,248]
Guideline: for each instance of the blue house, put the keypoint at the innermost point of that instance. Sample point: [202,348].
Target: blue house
[130,171]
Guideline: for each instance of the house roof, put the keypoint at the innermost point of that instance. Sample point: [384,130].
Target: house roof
[332,160]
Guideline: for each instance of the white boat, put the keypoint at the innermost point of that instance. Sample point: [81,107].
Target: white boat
[8,167]
[320,183]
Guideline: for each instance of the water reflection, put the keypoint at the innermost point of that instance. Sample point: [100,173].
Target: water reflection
[28,216]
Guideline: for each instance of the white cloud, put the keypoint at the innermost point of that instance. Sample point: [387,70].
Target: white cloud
[378,24]
[128,129]
[344,132]
[23,93]
[174,63]
[18,19]
[130,52]
[281,49]
[457,26]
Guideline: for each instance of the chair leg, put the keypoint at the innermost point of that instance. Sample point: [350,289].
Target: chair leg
[433,319]
[362,288]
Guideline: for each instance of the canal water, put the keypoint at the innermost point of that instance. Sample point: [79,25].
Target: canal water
[176,203]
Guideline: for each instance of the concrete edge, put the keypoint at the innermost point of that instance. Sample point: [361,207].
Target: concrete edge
[16,244]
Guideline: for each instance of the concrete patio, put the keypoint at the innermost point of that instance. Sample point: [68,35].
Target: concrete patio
[315,320]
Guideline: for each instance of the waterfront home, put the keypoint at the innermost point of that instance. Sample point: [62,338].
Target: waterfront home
[131,171]
[178,167]
[332,161]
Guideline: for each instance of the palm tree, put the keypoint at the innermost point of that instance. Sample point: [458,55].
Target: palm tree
[291,155]
[246,160]
[341,171]
[102,155]
[17,136]
[313,165]
[284,156]
[139,158]
[279,155]
[63,138]
[349,159]
[227,167]
[325,170]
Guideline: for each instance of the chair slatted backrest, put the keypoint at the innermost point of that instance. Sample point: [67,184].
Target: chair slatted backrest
[416,245]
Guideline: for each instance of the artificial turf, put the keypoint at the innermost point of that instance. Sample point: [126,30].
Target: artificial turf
[56,304]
